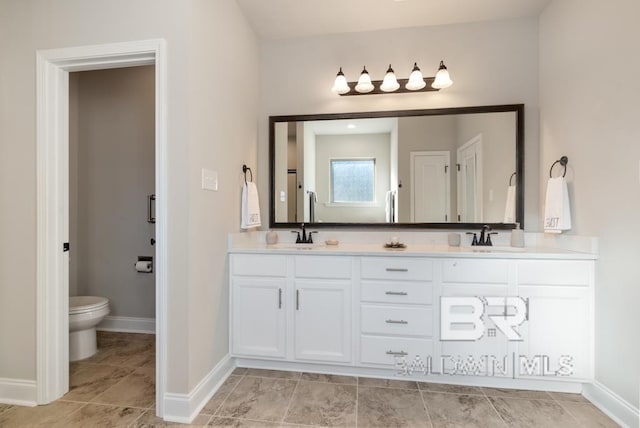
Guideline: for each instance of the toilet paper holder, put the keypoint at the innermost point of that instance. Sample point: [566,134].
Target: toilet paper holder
[143,259]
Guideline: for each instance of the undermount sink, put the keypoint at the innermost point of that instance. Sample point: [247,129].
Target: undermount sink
[294,246]
[493,249]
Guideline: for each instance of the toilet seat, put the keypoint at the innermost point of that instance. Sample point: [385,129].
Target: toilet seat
[84,304]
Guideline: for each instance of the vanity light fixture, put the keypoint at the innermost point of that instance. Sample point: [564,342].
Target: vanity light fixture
[340,86]
[364,85]
[442,79]
[390,84]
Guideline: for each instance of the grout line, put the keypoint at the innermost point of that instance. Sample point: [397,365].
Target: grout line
[293,394]
[496,410]
[426,409]
[575,418]
[225,398]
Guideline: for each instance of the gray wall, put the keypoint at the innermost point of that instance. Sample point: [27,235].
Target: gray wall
[589,90]
[112,171]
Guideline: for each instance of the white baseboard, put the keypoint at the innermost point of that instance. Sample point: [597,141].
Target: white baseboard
[128,325]
[614,406]
[184,408]
[18,392]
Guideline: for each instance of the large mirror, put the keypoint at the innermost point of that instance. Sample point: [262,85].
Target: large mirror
[442,168]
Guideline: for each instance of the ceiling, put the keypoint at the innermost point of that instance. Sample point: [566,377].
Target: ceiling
[273,19]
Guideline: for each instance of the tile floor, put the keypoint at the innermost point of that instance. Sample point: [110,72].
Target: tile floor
[116,388]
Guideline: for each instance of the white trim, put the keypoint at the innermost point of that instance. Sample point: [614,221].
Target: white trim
[52,68]
[18,392]
[542,384]
[128,325]
[611,404]
[184,408]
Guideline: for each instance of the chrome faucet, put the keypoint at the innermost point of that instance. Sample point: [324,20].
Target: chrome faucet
[485,237]
[305,238]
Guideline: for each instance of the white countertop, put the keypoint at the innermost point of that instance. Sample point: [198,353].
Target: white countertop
[412,250]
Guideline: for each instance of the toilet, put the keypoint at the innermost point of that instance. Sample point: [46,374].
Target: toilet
[85,313]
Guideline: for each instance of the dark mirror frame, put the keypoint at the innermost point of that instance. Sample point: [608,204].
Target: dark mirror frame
[517,108]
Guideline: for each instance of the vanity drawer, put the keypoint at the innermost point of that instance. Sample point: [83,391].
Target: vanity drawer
[415,292]
[258,265]
[323,267]
[396,268]
[555,272]
[399,320]
[475,271]
[384,350]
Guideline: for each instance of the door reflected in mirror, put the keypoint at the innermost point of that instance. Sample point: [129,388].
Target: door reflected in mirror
[431,167]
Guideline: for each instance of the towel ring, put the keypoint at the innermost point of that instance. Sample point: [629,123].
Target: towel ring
[511,178]
[562,161]
[244,170]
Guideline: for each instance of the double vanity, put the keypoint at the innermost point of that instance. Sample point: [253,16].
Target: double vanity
[358,308]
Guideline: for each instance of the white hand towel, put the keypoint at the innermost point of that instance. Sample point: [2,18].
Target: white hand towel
[510,206]
[250,206]
[387,206]
[557,212]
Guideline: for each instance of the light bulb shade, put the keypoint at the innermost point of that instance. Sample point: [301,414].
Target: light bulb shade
[389,83]
[416,81]
[442,79]
[364,82]
[340,85]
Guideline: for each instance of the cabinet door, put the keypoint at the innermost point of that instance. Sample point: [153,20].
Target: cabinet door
[323,320]
[557,328]
[487,355]
[258,317]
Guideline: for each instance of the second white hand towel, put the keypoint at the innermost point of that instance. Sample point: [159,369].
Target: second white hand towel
[250,206]
[510,206]
[557,212]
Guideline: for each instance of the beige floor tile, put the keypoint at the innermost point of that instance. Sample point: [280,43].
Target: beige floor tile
[279,374]
[258,398]
[221,422]
[240,371]
[125,353]
[87,381]
[516,393]
[455,410]
[588,415]
[329,378]
[135,390]
[19,416]
[5,407]
[325,404]
[387,383]
[150,420]
[96,415]
[221,394]
[524,413]
[387,407]
[563,396]
[454,389]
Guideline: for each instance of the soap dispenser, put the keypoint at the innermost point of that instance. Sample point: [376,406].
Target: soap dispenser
[517,237]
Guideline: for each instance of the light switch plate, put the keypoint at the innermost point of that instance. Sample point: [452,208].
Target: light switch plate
[209,179]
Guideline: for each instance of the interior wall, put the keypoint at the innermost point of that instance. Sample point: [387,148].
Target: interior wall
[212,60]
[428,133]
[498,157]
[490,63]
[352,146]
[589,90]
[112,137]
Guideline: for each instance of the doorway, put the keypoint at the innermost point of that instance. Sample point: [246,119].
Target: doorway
[52,290]
[469,157]
[430,189]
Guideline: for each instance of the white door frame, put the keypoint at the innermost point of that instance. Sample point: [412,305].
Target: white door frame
[479,208]
[412,160]
[52,147]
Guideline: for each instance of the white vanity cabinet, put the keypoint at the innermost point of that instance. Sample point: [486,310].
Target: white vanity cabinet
[396,309]
[559,327]
[258,316]
[317,310]
[295,308]
[322,326]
